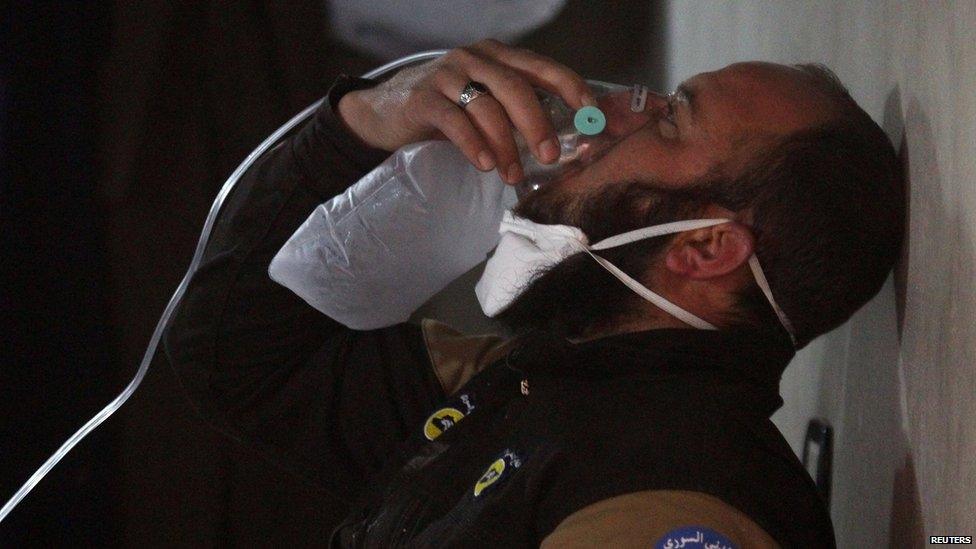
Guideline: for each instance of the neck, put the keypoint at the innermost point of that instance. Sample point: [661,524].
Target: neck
[649,318]
[700,299]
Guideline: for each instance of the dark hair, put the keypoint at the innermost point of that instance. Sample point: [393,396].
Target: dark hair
[828,213]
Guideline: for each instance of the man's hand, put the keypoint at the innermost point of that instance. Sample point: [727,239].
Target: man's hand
[420,103]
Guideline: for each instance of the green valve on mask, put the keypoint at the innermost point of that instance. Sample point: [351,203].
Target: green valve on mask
[590,120]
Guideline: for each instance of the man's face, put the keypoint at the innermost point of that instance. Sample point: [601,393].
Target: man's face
[652,176]
[706,125]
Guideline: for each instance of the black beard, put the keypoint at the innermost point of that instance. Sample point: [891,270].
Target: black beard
[578,297]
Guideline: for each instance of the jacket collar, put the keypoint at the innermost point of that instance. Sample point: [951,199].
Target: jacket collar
[754,356]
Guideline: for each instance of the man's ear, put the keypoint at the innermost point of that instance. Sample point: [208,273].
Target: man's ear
[710,252]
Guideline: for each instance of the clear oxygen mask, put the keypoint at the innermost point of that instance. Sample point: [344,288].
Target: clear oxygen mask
[584,134]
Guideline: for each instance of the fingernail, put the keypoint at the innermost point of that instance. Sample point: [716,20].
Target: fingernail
[486,160]
[549,150]
[588,100]
[514,172]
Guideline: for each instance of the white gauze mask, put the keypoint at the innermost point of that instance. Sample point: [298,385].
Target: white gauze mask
[527,248]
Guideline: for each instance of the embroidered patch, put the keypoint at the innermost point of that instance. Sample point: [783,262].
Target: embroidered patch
[496,471]
[440,421]
[694,537]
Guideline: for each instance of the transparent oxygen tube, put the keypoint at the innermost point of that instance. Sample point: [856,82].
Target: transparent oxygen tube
[584,134]
[215,209]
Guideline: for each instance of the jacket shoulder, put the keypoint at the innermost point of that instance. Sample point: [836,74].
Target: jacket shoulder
[680,434]
[659,517]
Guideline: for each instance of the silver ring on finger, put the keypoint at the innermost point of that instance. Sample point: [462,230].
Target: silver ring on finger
[471,91]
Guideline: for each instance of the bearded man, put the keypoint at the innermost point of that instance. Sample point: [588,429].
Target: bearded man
[612,417]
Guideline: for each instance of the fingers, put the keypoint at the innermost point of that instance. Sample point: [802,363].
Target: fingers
[455,125]
[483,129]
[541,71]
[489,117]
[519,100]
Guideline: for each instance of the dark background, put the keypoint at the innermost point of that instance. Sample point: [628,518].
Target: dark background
[118,124]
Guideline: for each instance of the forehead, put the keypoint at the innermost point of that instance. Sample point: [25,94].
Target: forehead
[757,97]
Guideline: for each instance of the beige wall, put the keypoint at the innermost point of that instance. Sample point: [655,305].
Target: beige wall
[898,381]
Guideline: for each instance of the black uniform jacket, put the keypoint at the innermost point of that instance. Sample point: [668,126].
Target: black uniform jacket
[659,438]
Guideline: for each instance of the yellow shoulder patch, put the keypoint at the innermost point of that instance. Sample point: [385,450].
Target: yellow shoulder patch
[490,476]
[440,421]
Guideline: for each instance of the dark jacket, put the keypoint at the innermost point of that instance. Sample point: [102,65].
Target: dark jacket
[444,441]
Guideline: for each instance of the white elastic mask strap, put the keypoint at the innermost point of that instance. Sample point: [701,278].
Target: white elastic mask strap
[664,304]
[638,288]
[654,298]
[760,276]
[656,230]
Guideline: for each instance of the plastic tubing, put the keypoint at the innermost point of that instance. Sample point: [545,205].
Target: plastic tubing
[225,191]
